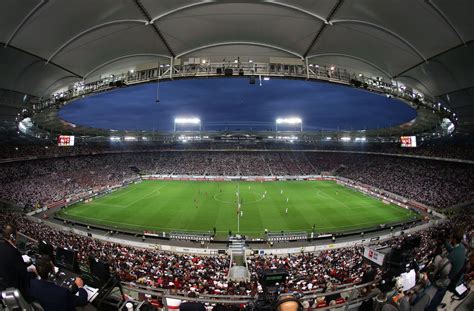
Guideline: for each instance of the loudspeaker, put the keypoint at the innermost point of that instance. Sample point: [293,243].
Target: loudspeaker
[219,71]
[228,72]
[241,72]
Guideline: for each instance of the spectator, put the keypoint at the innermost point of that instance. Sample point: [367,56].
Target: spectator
[192,305]
[51,296]
[13,270]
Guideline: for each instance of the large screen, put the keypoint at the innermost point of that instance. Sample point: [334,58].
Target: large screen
[408,141]
[65,140]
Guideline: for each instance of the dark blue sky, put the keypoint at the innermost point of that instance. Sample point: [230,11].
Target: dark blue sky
[235,104]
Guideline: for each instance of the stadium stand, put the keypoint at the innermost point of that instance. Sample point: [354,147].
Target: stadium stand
[49,150]
[208,274]
[439,184]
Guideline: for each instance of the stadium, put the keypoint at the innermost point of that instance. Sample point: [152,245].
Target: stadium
[231,155]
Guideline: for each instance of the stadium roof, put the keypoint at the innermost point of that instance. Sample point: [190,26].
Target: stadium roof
[425,44]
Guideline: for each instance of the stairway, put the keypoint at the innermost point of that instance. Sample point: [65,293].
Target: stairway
[239,271]
[237,246]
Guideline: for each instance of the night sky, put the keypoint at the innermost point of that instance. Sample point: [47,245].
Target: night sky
[233,103]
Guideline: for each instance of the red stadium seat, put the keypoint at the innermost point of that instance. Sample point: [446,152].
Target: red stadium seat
[340,301]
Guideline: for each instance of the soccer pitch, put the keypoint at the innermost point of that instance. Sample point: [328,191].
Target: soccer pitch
[202,205]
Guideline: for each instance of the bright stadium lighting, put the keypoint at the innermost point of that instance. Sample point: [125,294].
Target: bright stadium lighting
[328,138]
[187,121]
[332,68]
[266,79]
[360,139]
[292,120]
[130,138]
[114,138]
[191,121]
[289,121]
[345,138]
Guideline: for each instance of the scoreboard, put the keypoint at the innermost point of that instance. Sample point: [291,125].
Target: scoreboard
[408,141]
[65,140]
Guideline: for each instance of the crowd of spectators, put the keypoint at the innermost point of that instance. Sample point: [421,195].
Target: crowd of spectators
[208,274]
[435,183]
[440,150]
[39,182]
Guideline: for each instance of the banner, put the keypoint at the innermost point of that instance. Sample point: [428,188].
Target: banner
[373,255]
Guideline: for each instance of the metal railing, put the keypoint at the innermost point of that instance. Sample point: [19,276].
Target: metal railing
[350,293]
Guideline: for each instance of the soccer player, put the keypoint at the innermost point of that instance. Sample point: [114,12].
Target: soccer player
[286,211]
[281,191]
[241,213]
[287,199]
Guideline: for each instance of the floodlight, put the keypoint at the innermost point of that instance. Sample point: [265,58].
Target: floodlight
[289,121]
[345,138]
[187,121]
[114,138]
[332,68]
[183,120]
[130,138]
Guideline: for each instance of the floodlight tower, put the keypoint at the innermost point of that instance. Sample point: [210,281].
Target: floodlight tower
[192,121]
[289,121]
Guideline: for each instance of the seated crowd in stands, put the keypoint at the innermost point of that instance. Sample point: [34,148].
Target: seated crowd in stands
[52,150]
[35,183]
[208,274]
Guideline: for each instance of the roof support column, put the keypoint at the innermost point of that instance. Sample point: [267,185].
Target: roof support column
[307,67]
[171,67]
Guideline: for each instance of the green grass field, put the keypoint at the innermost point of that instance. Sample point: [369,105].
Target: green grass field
[201,206]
